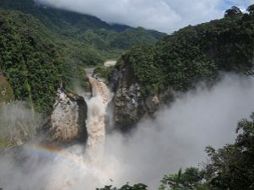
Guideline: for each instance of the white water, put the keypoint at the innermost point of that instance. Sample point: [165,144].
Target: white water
[97,106]
[88,170]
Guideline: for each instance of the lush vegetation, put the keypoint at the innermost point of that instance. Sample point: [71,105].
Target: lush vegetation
[89,36]
[6,92]
[29,59]
[191,178]
[196,53]
[232,167]
[42,47]
[182,59]
[103,72]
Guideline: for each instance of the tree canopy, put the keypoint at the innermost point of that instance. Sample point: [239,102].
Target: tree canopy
[195,53]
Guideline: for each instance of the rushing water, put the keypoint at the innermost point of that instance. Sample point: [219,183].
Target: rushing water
[77,170]
[97,107]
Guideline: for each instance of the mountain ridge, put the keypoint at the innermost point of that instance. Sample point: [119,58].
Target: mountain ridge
[63,43]
[178,62]
[68,18]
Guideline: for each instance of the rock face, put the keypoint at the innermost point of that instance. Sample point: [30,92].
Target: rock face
[129,104]
[68,119]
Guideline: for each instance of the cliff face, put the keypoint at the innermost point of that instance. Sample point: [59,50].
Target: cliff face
[68,119]
[129,103]
[44,35]
[147,76]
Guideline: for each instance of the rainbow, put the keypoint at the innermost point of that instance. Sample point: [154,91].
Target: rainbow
[61,155]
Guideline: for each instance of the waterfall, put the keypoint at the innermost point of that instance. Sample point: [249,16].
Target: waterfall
[78,170]
[97,106]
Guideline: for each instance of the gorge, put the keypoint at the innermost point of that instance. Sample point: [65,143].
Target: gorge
[125,159]
[86,104]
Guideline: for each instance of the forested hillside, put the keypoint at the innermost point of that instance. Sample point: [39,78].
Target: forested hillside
[180,60]
[177,63]
[30,59]
[195,53]
[84,33]
[42,47]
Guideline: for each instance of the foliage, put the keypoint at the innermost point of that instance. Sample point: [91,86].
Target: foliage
[103,72]
[190,179]
[42,47]
[250,9]
[103,40]
[148,72]
[232,167]
[233,11]
[29,59]
[195,53]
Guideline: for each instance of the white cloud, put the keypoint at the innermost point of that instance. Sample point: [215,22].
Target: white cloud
[162,15]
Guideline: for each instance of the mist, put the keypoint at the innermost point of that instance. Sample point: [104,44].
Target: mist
[18,122]
[180,133]
[175,139]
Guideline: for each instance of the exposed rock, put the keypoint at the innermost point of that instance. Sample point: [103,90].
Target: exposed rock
[68,119]
[152,103]
[130,104]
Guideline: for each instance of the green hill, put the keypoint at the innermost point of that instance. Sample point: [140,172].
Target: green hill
[109,39]
[42,47]
[195,53]
[30,59]
[179,61]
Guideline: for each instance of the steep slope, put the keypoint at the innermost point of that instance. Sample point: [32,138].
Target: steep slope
[148,75]
[42,47]
[30,59]
[85,29]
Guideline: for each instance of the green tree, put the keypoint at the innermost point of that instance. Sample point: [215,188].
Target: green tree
[232,167]
[250,9]
[233,11]
[190,179]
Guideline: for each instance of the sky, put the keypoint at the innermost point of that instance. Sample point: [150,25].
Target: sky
[162,15]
